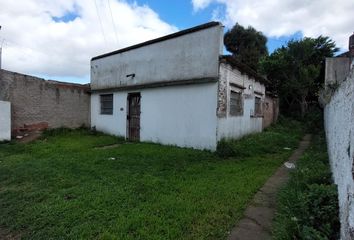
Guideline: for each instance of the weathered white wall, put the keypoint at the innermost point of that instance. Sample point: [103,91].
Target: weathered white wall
[191,56]
[237,126]
[182,115]
[112,124]
[5,121]
[339,126]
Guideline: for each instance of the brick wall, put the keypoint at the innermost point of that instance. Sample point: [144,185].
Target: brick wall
[270,110]
[37,103]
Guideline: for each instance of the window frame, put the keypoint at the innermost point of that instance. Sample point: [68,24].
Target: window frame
[258,111]
[238,108]
[106,110]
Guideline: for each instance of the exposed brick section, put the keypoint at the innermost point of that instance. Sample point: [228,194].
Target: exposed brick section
[222,96]
[29,128]
[37,103]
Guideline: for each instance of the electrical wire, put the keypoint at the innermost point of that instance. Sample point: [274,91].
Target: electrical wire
[114,24]
[99,18]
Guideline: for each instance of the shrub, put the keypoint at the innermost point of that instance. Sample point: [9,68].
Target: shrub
[322,209]
[314,120]
[224,149]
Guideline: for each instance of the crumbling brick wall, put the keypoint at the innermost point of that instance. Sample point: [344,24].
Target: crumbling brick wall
[222,97]
[36,102]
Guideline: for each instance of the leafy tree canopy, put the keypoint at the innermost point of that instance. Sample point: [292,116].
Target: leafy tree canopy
[296,71]
[247,45]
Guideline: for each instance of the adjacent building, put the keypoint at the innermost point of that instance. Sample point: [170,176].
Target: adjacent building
[37,104]
[177,90]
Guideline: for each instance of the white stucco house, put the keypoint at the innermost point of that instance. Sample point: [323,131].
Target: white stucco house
[177,90]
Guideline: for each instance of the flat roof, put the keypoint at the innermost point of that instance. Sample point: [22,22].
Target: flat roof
[170,36]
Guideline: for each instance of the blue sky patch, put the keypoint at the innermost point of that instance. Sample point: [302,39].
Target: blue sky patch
[182,15]
[68,16]
[274,43]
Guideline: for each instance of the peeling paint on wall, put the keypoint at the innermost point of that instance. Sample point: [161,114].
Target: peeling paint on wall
[339,126]
[222,96]
[231,126]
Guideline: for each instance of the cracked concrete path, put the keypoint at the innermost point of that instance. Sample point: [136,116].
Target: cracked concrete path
[257,221]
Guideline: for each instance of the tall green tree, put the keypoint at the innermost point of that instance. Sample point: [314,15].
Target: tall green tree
[296,71]
[247,45]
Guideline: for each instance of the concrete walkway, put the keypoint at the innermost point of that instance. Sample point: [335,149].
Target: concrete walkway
[257,221]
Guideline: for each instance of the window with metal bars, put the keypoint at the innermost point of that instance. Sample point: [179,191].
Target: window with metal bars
[106,104]
[236,103]
[257,106]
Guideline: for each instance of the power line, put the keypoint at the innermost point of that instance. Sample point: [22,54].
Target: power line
[99,18]
[114,25]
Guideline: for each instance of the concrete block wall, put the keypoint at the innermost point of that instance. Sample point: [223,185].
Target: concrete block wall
[38,102]
[5,121]
[336,70]
[339,126]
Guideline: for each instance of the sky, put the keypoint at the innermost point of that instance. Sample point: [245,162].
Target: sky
[55,39]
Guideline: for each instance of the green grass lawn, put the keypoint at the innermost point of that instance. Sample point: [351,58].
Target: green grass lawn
[64,187]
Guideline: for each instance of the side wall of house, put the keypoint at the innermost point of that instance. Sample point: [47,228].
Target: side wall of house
[339,126]
[35,101]
[237,126]
[183,115]
[5,121]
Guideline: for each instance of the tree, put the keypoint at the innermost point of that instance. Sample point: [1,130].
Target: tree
[247,45]
[295,71]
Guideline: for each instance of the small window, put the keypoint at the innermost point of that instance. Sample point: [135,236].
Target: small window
[236,104]
[258,106]
[107,104]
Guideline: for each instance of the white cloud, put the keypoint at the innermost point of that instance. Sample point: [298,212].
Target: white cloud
[278,18]
[200,4]
[36,44]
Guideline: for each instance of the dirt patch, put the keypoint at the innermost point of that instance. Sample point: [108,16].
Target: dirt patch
[26,137]
[109,146]
[7,235]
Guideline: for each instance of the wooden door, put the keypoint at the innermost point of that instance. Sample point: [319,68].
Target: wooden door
[133,117]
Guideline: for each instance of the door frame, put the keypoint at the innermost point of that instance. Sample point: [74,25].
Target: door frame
[130,136]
